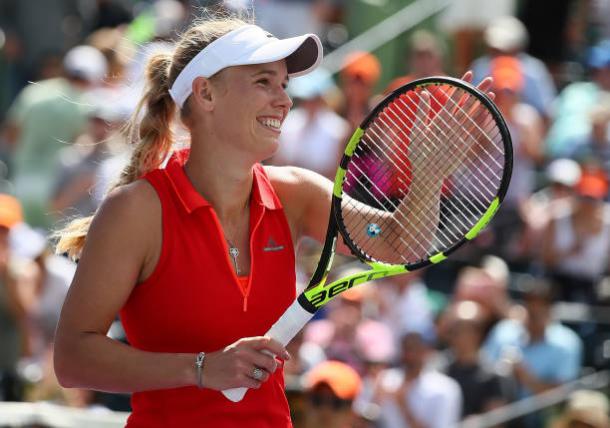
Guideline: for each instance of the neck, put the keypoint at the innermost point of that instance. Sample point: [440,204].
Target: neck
[223,178]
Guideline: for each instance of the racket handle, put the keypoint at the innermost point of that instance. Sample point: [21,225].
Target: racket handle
[284,329]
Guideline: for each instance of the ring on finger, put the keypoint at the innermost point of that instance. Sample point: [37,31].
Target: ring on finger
[257,373]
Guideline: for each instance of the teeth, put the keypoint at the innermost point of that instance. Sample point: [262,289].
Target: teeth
[271,123]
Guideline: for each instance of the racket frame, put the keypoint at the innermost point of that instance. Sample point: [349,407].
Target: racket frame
[318,293]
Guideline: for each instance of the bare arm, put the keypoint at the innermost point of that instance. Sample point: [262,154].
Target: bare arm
[121,249]
[113,257]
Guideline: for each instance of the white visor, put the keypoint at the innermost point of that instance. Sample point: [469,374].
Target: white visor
[246,45]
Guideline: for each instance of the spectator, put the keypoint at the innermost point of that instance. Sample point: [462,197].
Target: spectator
[44,118]
[526,129]
[118,52]
[466,20]
[337,333]
[376,346]
[73,192]
[576,242]
[507,36]
[425,57]
[555,197]
[482,388]
[572,108]
[585,409]
[44,287]
[359,75]
[405,304]
[313,135]
[331,388]
[488,290]
[415,396]
[594,149]
[539,352]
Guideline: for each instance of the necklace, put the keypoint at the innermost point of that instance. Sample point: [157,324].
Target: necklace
[234,253]
[233,250]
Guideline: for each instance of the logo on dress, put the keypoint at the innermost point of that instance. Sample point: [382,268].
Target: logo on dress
[272,245]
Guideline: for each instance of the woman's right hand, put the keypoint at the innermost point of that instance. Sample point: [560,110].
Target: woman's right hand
[234,366]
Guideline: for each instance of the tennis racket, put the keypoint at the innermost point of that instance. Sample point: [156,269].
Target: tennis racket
[422,175]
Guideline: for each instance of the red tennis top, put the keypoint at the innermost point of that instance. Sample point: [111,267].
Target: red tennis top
[194,302]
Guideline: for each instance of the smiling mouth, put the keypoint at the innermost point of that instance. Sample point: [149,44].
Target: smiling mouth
[273,124]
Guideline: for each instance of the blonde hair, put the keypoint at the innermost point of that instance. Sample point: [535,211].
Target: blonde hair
[149,129]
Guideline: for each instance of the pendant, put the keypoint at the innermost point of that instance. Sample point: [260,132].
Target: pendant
[234,252]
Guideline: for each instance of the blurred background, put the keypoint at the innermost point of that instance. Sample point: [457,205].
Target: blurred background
[512,331]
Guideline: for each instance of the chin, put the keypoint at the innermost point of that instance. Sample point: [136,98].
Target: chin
[269,149]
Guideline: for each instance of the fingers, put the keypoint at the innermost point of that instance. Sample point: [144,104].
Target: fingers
[423,107]
[261,359]
[485,84]
[272,346]
[467,77]
[247,363]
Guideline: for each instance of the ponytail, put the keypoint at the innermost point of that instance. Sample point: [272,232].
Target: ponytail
[151,136]
[152,140]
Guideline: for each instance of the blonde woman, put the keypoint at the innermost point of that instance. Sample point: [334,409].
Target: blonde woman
[197,256]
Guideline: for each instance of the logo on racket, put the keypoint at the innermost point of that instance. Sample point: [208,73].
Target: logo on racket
[373,230]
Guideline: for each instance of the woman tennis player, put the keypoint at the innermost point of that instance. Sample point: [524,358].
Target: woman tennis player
[197,252]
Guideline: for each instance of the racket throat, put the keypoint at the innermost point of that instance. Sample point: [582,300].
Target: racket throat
[325,263]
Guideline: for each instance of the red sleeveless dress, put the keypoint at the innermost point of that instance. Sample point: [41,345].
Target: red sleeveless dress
[194,302]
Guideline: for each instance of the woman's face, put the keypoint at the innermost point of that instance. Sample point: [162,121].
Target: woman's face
[251,105]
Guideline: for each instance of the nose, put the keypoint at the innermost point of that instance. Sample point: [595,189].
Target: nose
[283,100]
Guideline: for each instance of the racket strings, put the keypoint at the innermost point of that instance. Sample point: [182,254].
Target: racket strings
[420,222]
[404,165]
[394,207]
[365,219]
[471,147]
[453,132]
[407,166]
[381,171]
[396,126]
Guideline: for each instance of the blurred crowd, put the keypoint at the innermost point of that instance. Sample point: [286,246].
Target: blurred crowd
[499,322]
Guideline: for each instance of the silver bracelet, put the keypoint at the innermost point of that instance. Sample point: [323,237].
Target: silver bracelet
[199,366]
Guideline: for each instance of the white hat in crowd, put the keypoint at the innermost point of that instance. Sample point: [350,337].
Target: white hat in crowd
[87,63]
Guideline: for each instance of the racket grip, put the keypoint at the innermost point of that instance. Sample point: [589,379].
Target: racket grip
[284,329]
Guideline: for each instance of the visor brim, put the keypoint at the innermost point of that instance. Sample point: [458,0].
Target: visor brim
[302,54]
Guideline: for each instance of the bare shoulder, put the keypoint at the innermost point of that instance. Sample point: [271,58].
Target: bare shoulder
[298,187]
[128,223]
[305,196]
[132,205]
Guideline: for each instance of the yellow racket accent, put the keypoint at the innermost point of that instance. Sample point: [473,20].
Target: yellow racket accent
[353,142]
[437,258]
[484,219]
[339,177]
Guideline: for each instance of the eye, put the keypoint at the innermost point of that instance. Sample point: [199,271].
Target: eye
[264,81]
[284,85]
